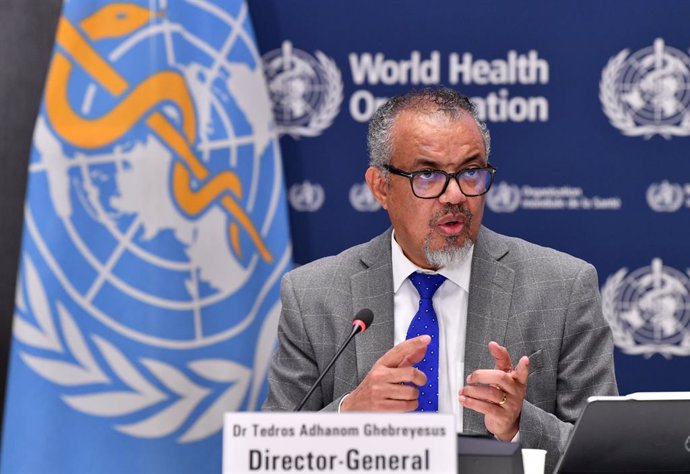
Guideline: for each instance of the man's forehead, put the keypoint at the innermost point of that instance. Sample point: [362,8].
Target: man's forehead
[434,115]
[430,130]
[408,121]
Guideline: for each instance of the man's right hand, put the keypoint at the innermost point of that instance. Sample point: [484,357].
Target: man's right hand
[391,384]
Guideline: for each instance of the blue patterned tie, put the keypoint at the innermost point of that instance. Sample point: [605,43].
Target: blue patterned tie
[425,322]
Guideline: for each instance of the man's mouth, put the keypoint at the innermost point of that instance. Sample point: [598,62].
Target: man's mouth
[451,224]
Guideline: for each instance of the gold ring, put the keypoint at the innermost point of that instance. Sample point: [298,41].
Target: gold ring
[504,399]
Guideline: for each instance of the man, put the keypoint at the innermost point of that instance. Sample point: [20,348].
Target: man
[498,300]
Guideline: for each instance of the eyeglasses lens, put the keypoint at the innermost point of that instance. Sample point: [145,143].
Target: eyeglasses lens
[473,182]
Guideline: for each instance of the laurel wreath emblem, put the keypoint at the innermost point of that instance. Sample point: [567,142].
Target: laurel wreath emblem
[622,119]
[69,361]
[325,114]
[622,336]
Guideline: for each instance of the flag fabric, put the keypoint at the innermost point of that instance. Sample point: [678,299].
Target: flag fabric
[155,237]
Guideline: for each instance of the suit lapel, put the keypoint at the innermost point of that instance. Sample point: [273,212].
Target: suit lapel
[491,291]
[373,288]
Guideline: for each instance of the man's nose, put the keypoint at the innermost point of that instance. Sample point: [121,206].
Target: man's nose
[452,194]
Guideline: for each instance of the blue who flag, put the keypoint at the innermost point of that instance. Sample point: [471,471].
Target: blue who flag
[155,238]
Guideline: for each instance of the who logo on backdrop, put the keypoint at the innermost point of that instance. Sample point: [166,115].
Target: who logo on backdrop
[306,196]
[648,310]
[504,197]
[155,222]
[361,198]
[306,90]
[647,93]
[665,196]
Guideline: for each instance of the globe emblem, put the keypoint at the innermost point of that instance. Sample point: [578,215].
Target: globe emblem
[306,196]
[648,92]
[306,90]
[655,85]
[362,199]
[649,310]
[665,196]
[129,214]
[503,197]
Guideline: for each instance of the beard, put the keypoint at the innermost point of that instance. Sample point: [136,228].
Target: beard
[456,248]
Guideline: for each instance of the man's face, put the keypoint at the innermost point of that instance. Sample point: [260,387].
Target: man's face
[431,141]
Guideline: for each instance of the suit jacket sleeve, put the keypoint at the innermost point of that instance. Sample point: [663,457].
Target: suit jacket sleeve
[294,367]
[585,368]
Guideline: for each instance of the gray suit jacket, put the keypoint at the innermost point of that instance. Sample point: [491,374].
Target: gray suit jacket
[533,300]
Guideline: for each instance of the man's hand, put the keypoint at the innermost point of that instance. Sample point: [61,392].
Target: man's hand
[498,393]
[391,384]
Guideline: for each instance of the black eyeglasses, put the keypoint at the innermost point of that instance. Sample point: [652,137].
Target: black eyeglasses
[430,184]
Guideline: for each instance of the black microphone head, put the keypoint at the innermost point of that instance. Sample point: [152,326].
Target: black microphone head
[364,318]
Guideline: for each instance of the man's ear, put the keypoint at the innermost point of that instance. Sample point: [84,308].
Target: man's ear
[377,185]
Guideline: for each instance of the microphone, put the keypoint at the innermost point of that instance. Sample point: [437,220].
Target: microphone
[360,323]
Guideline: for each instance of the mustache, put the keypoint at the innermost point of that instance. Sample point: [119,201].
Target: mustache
[451,210]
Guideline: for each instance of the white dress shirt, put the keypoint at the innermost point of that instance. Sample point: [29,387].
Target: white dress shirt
[450,304]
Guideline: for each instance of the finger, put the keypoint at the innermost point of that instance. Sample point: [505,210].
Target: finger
[386,404]
[481,406]
[499,378]
[383,376]
[402,392]
[501,356]
[487,393]
[397,406]
[521,372]
[419,378]
[408,352]
[412,359]
[407,375]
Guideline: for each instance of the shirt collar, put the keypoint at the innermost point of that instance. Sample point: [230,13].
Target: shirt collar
[402,268]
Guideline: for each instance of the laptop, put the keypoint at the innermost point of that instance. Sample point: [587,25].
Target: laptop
[637,433]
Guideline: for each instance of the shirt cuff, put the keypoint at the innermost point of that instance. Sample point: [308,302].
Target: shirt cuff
[516,438]
[343,399]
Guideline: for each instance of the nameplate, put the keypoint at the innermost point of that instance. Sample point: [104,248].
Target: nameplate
[332,442]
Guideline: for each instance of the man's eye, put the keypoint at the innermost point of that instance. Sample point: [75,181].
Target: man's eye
[471,172]
[427,175]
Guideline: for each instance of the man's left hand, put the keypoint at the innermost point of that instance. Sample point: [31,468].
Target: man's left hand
[498,393]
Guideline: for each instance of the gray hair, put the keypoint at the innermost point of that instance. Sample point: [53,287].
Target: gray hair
[442,99]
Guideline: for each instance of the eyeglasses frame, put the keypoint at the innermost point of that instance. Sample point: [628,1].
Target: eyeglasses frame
[412,174]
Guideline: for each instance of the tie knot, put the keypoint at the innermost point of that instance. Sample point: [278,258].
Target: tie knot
[426,283]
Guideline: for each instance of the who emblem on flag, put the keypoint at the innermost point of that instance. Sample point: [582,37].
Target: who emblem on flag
[154,241]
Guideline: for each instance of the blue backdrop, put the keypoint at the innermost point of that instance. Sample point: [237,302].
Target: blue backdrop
[588,105]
